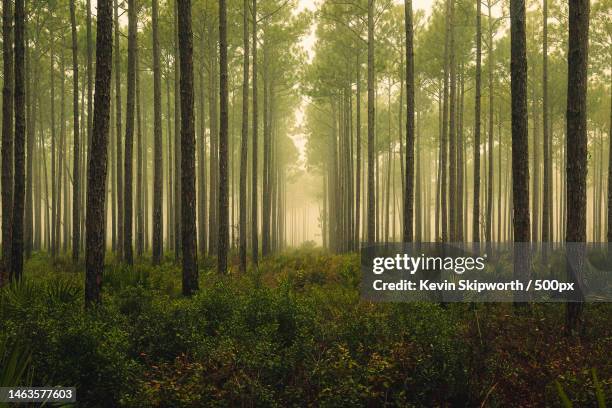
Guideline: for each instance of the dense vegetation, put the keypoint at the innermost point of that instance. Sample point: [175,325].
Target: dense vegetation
[208,138]
[294,333]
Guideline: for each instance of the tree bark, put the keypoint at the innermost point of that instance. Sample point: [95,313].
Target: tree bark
[452,130]
[76,177]
[223,212]
[188,200]
[119,163]
[547,194]
[128,256]
[178,138]
[254,212]
[202,226]
[520,144]
[96,173]
[140,166]
[244,138]
[576,119]
[157,141]
[489,214]
[409,182]
[31,88]
[477,103]
[20,129]
[7,135]
[371,221]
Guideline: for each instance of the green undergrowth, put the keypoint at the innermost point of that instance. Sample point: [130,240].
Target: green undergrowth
[293,332]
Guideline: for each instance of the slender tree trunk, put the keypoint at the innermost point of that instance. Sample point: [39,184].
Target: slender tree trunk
[265,204]
[254,213]
[96,173]
[140,163]
[213,227]
[20,129]
[520,144]
[244,137]
[576,119]
[76,177]
[409,182]
[177,138]
[7,135]
[452,130]
[609,214]
[489,215]
[358,152]
[371,221]
[30,127]
[535,179]
[62,154]
[477,103]
[119,163]
[89,100]
[444,134]
[202,226]
[223,143]
[188,199]
[461,215]
[128,256]
[547,194]
[158,173]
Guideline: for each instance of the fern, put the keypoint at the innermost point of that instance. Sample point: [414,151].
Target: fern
[565,401]
[599,393]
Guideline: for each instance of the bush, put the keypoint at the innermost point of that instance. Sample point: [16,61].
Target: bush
[295,332]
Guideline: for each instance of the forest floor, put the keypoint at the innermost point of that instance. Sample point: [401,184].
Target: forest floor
[293,333]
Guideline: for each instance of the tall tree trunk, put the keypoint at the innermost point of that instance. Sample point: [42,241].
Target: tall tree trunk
[169,179]
[371,221]
[178,138]
[32,89]
[213,227]
[244,137]
[202,225]
[609,213]
[119,163]
[158,173]
[461,214]
[128,256]
[547,194]
[452,130]
[254,213]
[535,179]
[188,199]
[358,153]
[96,172]
[38,225]
[520,144]
[76,177]
[265,199]
[223,143]
[140,163]
[576,119]
[7,135]
[444,133]
[477,103]
[89,99]
[489,215]
[61,218]
[20,129]
[409,182]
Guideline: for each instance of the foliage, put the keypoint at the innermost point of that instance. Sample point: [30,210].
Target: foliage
[293,333]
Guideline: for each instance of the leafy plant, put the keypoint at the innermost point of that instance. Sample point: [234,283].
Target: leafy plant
[15,359]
